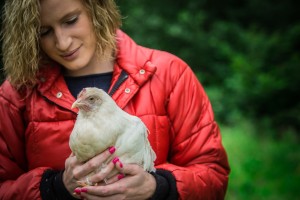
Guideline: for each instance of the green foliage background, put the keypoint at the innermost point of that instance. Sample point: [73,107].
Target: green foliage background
[246,55]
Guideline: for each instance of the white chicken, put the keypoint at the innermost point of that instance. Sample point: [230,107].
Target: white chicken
[101,124]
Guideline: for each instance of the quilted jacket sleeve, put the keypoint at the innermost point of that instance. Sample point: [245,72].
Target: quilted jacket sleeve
[197,158]
[15,181]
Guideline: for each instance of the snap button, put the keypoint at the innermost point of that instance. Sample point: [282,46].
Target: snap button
[127,90]
[142,71]
[59,95]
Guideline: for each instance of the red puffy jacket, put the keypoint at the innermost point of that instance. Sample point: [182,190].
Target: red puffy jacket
[153,85]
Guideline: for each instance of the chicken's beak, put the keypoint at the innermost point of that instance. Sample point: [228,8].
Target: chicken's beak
[75,104]
[78,104]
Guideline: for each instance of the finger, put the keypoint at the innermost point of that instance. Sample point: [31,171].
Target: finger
[118,163]
[71,160]
[93,164]
[88,196]
[129,169]
[102,173]
[104,191]
[115,178]
[71,166]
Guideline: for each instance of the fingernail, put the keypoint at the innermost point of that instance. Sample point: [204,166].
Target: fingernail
[120,176]
[77,191]
[84,190]
[112,150]
[121,164]
[115,160]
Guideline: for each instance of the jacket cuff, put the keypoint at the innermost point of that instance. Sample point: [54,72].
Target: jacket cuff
[52,186]
[165,185]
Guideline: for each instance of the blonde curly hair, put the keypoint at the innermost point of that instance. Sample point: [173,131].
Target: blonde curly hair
[22,55]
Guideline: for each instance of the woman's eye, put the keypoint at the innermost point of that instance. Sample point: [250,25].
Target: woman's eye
[72,20]
[44,32]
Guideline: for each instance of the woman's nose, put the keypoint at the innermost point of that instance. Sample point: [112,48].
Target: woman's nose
[63,40]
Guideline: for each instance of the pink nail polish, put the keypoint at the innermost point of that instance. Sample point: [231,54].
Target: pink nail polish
[115,160]
[84,190]
[121,164]
[77,191]
[120,176]
[112,150]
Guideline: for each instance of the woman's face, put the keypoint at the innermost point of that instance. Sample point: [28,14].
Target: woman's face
[67,36]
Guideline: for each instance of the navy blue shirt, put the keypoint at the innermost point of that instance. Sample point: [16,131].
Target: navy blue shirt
[76,84]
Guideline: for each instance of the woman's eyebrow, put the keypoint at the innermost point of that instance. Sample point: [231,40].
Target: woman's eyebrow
[64,17]
[70,14]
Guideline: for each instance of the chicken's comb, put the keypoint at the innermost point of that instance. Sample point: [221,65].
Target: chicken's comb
[83,91]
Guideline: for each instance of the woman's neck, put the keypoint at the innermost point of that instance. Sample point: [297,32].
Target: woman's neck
[102,64]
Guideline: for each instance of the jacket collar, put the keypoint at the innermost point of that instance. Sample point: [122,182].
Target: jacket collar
[132,69]
[53,86]
[134,59]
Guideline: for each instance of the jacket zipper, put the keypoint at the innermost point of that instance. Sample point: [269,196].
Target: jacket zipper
[122,78]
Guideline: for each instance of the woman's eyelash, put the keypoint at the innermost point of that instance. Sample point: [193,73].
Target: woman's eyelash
[44,32]
[72,20]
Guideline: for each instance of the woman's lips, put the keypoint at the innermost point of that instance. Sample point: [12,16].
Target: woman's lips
[71,55]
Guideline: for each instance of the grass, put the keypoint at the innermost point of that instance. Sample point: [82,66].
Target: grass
[262,167]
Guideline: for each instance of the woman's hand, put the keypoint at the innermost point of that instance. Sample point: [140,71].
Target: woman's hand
[76,171]
[136,184]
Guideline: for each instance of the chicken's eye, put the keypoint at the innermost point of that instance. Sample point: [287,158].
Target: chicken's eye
[92,99]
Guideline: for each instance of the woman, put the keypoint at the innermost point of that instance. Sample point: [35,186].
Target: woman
[52,49]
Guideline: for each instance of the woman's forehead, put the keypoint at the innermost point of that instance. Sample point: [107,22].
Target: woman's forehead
[56,10]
